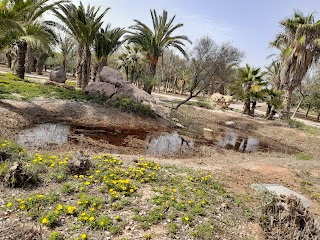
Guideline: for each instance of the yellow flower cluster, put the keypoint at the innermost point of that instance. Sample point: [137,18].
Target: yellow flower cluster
[50,161]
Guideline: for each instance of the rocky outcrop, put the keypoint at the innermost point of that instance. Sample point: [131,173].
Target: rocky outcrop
[219,101]
[58,75]
[112,85]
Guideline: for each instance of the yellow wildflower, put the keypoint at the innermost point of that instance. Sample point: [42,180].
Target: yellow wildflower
[45,220]
[9,204]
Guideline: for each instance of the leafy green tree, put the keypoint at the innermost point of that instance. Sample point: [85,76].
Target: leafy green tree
[105,44]
[299,43]
[84,25]
[154,41]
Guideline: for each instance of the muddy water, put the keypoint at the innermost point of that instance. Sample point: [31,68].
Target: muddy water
[163,144]
[156,144]
[242,142]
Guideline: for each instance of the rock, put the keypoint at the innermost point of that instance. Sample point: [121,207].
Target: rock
[16,177]
[79,164]
[230,123]
[175,119]
[179,125]
[58,75]
[208,134]
[135,93]
[219,101]
[104,88]
[112,76]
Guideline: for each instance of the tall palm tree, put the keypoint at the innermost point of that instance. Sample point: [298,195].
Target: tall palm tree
[300,45]
[154,41]
[83,24]
[20,18]
[106,43]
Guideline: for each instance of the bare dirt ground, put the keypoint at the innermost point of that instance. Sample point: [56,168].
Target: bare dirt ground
[236,170]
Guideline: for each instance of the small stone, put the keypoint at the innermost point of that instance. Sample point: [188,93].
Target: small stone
[230,123]
[179,125]
[175,119]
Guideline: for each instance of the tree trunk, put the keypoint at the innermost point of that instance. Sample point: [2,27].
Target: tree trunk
[98,68]
[34,65]
[246,107]
[64,64]
[152,68]
[297,109]
[86,68]
[285,114]
[127,73]
[9,59]
[79,65]
[40,63]
[21,58]
[253,108]
[29,59]
[272,113]
[318,118]
[147,88]
[175,85]
[309,107]
[268,110]
[182,87]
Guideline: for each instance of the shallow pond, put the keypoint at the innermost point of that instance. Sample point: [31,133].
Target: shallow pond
[45,135]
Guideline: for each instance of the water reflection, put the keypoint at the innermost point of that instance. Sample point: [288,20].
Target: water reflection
[169,144]
[233,140]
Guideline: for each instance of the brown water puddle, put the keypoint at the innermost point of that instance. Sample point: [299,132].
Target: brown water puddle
[156,144]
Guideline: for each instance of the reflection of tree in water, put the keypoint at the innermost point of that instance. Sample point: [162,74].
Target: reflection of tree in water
[240,145]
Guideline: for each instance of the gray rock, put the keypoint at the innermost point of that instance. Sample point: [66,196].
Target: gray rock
[104,88]
[179,125]
[230,123]
[58,75]
[208,134]
[135,93]
[112,76]
[281,190]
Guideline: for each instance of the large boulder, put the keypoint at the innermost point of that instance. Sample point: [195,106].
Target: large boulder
[112,76]
[104,88]
[58,75]
[135,93]
[220,101]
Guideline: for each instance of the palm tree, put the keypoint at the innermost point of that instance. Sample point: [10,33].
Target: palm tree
[84,25]
[20,18]
[300,45]
[154,42]
[66,48]
[252,87]
[106,43]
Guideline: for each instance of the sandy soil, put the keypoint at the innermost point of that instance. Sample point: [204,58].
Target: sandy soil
[236,170]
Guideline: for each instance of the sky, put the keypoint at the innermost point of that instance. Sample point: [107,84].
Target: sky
[248,24]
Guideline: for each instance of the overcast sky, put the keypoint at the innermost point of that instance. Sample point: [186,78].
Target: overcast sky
[249,24]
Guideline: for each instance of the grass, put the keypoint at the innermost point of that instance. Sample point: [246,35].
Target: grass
[14,88]
[110,195]
[311,130]
[303,156]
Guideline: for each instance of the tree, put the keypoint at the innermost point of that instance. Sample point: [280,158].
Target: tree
[106,43]
[154,41]
[66,47]
[299,42]
[249,87]
[24,15]
[84,25]
[210,65]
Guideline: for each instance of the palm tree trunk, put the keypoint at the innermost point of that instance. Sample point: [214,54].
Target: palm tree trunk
[152,68]
[9,59]
[253,108]
[98,68]
[21,58]
[86,68]
[29,59]
[268,110]
[247,102]
[285,114]
[79,65]
[318,118]
[40,62]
